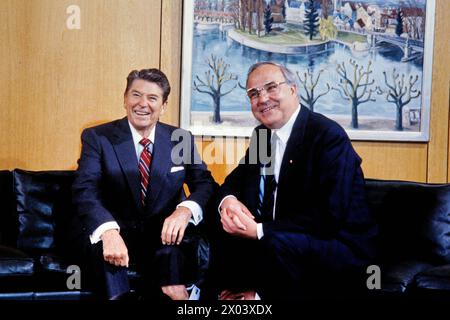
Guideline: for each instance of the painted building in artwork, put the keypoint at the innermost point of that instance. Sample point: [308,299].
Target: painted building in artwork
[375,13]
[277,7]
[295,11]
[337,4]
[363,16]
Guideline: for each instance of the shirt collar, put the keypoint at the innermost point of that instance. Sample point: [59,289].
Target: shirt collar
[285,131]
[137,137]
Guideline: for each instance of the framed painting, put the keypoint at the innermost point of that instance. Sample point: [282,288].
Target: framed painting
[365,64]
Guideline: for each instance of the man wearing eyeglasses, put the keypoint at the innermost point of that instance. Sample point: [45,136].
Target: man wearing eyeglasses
[294,210]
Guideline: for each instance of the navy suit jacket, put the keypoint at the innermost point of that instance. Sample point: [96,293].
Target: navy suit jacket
[107,183]
[320,188]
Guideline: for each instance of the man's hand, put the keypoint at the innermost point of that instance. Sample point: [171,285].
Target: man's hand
[114,249]
[237,219]
[175,225]
[232,206]
[175,292]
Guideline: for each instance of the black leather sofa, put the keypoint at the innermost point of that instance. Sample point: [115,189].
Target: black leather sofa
[35,252]
[414,237]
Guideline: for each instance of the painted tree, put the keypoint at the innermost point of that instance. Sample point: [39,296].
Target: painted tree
[309,84]
[311,21]
[400,92]
[399,26]
[243,13]
[283,10]
[325,8]
[355,89]
[235,14]
[212,83]
[268,20]
[327,29]
[250,9]
[221,5]
[259,16]
[414,18]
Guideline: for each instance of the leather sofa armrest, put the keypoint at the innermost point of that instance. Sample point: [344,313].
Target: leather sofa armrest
[398,277]
[436,278]
[14,262]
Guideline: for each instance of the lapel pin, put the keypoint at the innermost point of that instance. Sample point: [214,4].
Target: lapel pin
[290,161]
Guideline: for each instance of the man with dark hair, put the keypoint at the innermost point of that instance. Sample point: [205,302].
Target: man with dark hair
[129,195]
[294,210]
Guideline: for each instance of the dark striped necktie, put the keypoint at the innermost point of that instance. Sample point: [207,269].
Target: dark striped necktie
[268,185]
[145,161]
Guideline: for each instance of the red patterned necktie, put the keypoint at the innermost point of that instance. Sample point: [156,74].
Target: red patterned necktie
[144,167]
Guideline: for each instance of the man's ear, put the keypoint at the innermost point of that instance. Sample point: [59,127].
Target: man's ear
[163,108]
[294,89]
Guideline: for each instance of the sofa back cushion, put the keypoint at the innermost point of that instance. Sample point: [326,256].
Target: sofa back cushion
[414,219]
[44,207]
[8,220]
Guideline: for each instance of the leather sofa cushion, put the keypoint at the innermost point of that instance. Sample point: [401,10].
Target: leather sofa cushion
[8,219]
[16,295]
[15,263]
[53,263]
[397,278]
[414,219]
[44,205]
[63,295]
[437,278]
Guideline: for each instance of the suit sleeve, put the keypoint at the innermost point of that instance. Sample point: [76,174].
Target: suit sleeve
[346,207]
[340,197]
[87,186]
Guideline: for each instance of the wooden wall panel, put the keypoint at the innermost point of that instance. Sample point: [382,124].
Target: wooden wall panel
[438,145]
[55,82]
[61,81]
[11,50]
[171,28]
[393,161]
[222,154]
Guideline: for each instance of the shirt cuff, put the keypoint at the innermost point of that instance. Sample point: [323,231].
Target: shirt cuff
[197,212]
[220,204]
[257,297]
[95,236]
[259,231]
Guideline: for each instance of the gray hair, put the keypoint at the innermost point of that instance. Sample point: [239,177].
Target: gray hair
[287,74]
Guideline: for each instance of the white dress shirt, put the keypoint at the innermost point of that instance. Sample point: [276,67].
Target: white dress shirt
[196,210]
[283,136]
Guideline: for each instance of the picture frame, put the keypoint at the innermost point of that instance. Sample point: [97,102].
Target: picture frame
[391,69]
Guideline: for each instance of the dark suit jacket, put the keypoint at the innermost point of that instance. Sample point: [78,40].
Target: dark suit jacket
[107,183]
[320,187]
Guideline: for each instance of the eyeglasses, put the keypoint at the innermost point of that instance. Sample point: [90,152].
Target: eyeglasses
[272,88]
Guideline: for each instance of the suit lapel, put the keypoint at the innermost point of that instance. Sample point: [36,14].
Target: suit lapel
[122,142]
[294,143]
[161,160]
